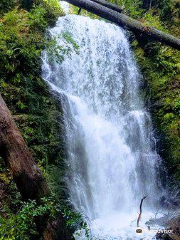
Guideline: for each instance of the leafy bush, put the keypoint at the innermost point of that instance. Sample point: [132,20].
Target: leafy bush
[177,106]
[153,20]
[53,9]
[6,5]
[18,44]
[22,39]
[165,8]
[37,18]
[22,225]
[131,7]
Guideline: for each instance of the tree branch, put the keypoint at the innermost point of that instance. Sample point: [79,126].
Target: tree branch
[140,213]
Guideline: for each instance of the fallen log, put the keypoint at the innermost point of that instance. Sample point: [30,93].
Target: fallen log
[109,5]
[127,22]
[15,153]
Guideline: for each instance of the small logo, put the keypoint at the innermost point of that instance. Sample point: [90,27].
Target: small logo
[139,231]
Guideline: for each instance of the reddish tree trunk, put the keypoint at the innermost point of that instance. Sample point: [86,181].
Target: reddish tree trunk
[14,151]
[25,172]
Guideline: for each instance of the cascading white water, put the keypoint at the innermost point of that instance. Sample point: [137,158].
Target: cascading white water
[111,152]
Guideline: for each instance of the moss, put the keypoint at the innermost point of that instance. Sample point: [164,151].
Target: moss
[35,109]
[160,67]
[26,94]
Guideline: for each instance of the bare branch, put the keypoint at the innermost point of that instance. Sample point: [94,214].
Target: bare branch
[139,217]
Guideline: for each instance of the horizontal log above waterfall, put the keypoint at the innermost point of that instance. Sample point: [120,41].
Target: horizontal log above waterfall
[126,22]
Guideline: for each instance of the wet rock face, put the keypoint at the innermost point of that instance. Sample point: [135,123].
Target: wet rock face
[175,226]
[162,98]
[162,236]
[173,230]
[169,202]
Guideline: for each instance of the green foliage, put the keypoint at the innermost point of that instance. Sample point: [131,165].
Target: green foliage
[165,8]
[177,106]
[167,11]
[22,224]
[150,19]
[6,5]
[132,7]
[35,110]
[19,226]
[21,42]
[18,48]
[160,66]
[74,220]
[37,18]
[53,9]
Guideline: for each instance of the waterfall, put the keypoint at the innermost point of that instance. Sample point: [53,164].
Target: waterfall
[112,158]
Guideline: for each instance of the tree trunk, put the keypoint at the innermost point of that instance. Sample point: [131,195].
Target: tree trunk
[127,22]
[109,5]
[14,151]
[26,174]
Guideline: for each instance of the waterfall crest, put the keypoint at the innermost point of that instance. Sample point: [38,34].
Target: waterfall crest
[111,149]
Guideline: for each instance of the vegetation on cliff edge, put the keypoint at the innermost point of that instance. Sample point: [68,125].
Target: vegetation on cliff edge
[36,112]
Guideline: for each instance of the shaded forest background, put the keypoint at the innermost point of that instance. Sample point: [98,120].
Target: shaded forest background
[38,113]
